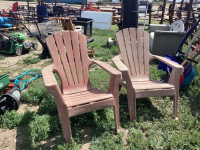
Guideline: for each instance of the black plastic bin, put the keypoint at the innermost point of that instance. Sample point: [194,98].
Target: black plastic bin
[85,22]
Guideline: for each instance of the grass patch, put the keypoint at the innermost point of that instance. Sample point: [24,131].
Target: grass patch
[46,63]
[155,127]
[2,57]
[31,60]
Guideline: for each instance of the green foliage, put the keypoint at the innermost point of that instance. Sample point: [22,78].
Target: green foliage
[93,66]
[62,145]
[39,127]
[31,60]
[155,73]
[136,139]
[105,58]
[100,43]
[156,2]
[35,54]
[107,141]
[155,127]
[10,119]
[2,57]
[35,95]
[46,63]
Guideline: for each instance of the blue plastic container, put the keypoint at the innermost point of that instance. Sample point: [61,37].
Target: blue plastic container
[6,22]
[188,79]
[42,13]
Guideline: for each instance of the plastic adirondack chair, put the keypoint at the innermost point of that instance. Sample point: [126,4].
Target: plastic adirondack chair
[76,95]
[133,61]
[14,9]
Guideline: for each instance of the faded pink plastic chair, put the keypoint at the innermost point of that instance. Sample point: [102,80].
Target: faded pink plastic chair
[133,61]
[76,95]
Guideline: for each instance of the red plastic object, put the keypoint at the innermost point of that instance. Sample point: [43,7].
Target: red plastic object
[14,9]
[10,86]
[181,79]
[91,9]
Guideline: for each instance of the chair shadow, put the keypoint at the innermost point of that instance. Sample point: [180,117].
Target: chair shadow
[144,109]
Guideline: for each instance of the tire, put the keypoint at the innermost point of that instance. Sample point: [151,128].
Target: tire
[35,45]
[18,51]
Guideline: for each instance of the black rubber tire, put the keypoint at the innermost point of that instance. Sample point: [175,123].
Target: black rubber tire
[35,45]
[18,51]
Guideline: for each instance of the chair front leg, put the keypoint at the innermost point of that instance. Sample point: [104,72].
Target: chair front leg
[113,88]
[131,103]
[64,120]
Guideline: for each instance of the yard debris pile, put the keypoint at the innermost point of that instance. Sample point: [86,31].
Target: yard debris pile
[46,27]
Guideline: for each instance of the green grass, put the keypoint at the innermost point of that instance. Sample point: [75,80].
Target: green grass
[2,57]
[155,127]
[31,60]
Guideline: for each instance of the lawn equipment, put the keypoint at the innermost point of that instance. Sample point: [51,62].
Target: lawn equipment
[10,91]
[183,59]
[45,51]
[15,44]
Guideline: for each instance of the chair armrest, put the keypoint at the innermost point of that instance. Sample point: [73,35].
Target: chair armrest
[154,27]
[168,62]
[122,68]
[177,70]
[115,78]
[119,64]
[106,67]
[50,82]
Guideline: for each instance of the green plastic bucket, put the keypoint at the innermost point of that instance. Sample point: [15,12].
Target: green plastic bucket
[4,81]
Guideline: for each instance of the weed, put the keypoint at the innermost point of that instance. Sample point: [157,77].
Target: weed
[10,119]
[93,66]
[35,95]
[39,127]
[35,54]
[46,63]
[105,58]
[107,141]
[31,60]
[2,57]
[155,127]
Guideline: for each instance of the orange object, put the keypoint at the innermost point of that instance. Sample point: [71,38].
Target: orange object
[8,88]
[133,61]
[76,95]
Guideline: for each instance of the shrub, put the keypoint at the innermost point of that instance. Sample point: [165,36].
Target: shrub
[35,95]
[10,119]
[39,127]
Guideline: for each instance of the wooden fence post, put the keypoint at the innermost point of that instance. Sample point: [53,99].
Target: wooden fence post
[163,12]
[172,12]
[188,15]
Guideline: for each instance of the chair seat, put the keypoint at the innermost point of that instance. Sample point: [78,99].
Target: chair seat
[153,84]
[85,97]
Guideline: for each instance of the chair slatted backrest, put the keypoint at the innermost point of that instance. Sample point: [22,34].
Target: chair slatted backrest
[72,69]
[15,6]
[133,45]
